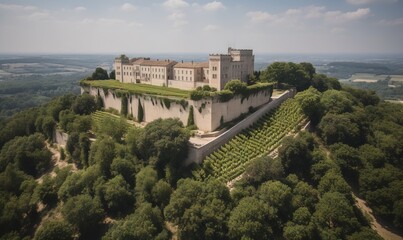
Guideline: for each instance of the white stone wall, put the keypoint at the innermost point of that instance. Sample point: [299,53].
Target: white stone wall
[181,84]
[207,112]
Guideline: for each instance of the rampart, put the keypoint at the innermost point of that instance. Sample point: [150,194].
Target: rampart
[208,113]
[198,153]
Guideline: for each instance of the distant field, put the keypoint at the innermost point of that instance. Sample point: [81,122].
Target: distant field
[138,88]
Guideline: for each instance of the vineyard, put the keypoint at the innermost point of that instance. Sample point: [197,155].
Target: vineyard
[230,160]
[99,117]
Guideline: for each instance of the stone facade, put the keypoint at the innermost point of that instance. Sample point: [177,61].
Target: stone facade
[220,68]
[208,114]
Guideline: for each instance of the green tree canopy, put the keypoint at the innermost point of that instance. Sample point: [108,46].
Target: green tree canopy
[83,212]
[54,230]
[100,74]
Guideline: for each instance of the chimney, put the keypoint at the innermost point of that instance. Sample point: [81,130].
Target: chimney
[182,61]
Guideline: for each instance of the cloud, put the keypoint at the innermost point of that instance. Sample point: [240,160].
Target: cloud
[365,2]
[338,16]
[80,9]
[111,22]
[298,15]
[175,4]
[337,30]
[127,7]
[214,6]
[176,16]
[210,27]
[392,22]
[259,16]
[17,7]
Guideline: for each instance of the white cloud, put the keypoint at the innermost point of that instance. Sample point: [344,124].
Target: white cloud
[392,22]
[214,6]
[180,23]
[80,9]
[210,27]
[176,16]
[364,2]
[339,17]
[175,4]
[259,16]
[111,22]
[298,15]
[128,7]
[17,7]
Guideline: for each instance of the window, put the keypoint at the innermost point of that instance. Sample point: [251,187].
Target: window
[182,71]
[186,71]
[190,72]
[214,76]
[117,73]
[186,78]
[190,78]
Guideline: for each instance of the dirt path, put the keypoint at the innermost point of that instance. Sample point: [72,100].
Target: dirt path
[57,162]
[375,225]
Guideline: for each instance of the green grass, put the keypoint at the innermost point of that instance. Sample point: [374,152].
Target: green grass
[98,117]
[231,159]
[137,88]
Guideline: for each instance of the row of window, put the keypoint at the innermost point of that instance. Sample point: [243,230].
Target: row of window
[183,79]
[183,71]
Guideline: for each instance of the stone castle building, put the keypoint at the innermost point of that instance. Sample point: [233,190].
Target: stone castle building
[220,68]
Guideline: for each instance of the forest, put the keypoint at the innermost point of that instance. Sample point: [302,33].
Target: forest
[130,183]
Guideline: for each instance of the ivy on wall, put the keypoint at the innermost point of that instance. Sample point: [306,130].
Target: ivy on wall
[140,112]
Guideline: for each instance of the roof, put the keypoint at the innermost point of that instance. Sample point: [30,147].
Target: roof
[192,65]
[158,63]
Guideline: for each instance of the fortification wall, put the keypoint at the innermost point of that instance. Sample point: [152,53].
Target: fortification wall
[207,113]
[197,154]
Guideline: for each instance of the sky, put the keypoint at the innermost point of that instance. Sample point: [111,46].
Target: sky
[190,26]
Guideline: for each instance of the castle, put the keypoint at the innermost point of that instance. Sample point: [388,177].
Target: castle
[220,68]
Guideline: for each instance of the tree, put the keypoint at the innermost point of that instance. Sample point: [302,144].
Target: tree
[263,169]
[296,154]
[117,195]
[235,86]
[146,223]
[161,193]
[84,104]
[334,216]
[46,191]
[28,153]
[124,167]
[112,75]
[145,181]
[348,160]
[304,195]
[334,182]
[323,83]
[102,153]
[83,212]
[336,102]
[191,120]
[200,210]
[249,220]
[164,141]
[48,126]
[54,230]
[100,74]
[112,128]
[309,69]
[335,128]
[300,227]
[288,73]
[277,196]
[309,101]
[140,112]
